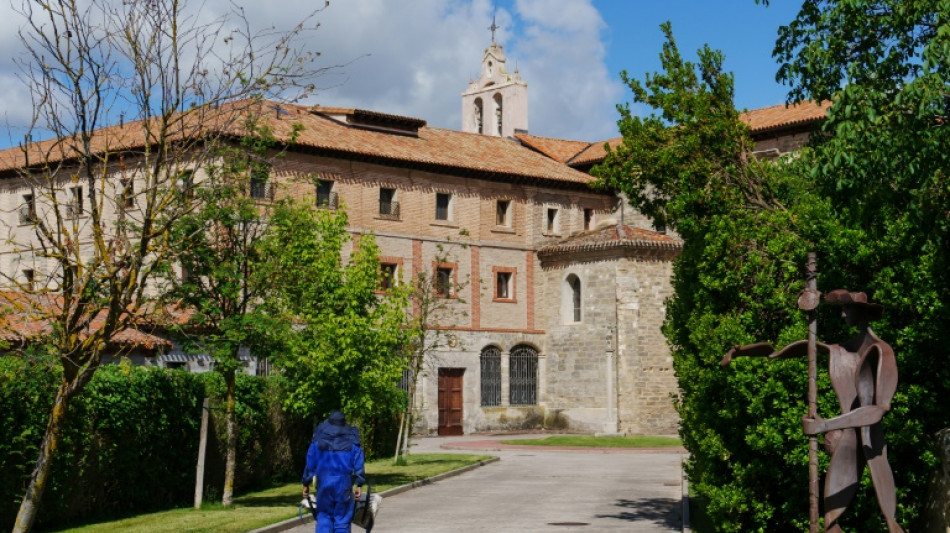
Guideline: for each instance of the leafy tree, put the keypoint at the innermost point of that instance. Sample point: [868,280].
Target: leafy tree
[91,235]
[432,314]
[347,347]
[746,227]
[883,163]
[223,271]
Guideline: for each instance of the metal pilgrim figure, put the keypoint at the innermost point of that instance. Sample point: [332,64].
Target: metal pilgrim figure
[863,373]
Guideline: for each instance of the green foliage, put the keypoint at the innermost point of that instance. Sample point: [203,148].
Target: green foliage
[131,442]
[271,442]
[347,349]
[871,199]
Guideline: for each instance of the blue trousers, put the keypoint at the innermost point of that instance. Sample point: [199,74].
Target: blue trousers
[334,514]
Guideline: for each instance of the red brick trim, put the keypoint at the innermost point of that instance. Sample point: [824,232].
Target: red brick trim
[416,270]
[529,279]
[476,287]
[513,285]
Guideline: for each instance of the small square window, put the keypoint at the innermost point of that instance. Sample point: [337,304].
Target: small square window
[445,281]
[326,198]
[443,204]
[388,206]
[186,184]
[28,209]
[261,186]
[503,286]
[74,207]
[388,275]
[588,218]
[126,194]
[551,223]
[29,278]
[503,213]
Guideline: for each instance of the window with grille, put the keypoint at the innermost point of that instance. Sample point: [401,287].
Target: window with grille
[491,376]
[503,213]
[443,204]
[261,187]
[28,209]
[523,376]
[388,206]
[326,198]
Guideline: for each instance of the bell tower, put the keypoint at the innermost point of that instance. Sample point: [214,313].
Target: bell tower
[497,102]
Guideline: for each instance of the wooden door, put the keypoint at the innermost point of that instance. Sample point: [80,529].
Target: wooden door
[450,401]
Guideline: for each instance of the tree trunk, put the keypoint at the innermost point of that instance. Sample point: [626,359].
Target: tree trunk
[34,492]
[230,463]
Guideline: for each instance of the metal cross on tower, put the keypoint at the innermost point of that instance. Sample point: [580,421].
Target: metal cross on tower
[493,27]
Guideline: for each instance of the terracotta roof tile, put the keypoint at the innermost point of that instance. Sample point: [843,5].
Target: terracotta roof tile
[782,115]
[759,120]
[22,319]
[560,150]
[439,149]
[595,153]
[612,236]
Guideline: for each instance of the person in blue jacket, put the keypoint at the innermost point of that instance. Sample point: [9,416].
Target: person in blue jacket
[336,458]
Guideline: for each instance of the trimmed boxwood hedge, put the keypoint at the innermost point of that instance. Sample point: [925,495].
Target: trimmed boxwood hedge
[131,439]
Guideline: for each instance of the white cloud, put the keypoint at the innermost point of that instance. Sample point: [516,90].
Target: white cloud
[415,58]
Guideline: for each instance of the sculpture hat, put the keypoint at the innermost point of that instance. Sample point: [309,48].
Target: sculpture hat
[859,300]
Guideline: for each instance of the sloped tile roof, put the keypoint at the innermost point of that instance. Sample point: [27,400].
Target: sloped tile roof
[22,319]
[783,116]
[759,120]
[434,149]
[560,150]
[595,153]
[612,237]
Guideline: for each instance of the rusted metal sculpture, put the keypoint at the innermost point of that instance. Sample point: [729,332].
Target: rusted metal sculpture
[863,373]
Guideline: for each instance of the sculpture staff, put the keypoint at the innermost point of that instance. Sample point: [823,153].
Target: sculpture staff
[863,372]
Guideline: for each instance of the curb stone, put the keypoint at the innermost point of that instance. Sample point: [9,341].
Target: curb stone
[291,523]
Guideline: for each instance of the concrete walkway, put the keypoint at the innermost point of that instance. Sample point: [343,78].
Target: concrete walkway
[534,489]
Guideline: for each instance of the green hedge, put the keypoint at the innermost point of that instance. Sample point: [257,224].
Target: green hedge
[130,442]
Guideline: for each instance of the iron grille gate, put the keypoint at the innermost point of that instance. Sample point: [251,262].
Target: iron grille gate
[491,376]
[523,376]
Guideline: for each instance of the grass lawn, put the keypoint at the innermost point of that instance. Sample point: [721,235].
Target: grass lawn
[590,441]
[258,509]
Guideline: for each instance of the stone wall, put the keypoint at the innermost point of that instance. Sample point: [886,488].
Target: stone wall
[646,381]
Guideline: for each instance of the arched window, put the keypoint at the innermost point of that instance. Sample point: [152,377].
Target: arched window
[491,376]
[571,304]
[523,376]
[479,122]
[498,113]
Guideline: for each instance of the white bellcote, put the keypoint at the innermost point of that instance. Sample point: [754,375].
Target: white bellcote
[497,102]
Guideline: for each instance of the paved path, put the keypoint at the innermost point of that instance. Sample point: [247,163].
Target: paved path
[536,489]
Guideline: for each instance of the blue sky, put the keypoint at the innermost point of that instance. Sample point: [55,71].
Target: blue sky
[415,57]
[744,31]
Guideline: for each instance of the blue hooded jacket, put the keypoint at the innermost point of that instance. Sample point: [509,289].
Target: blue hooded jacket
[336,458]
